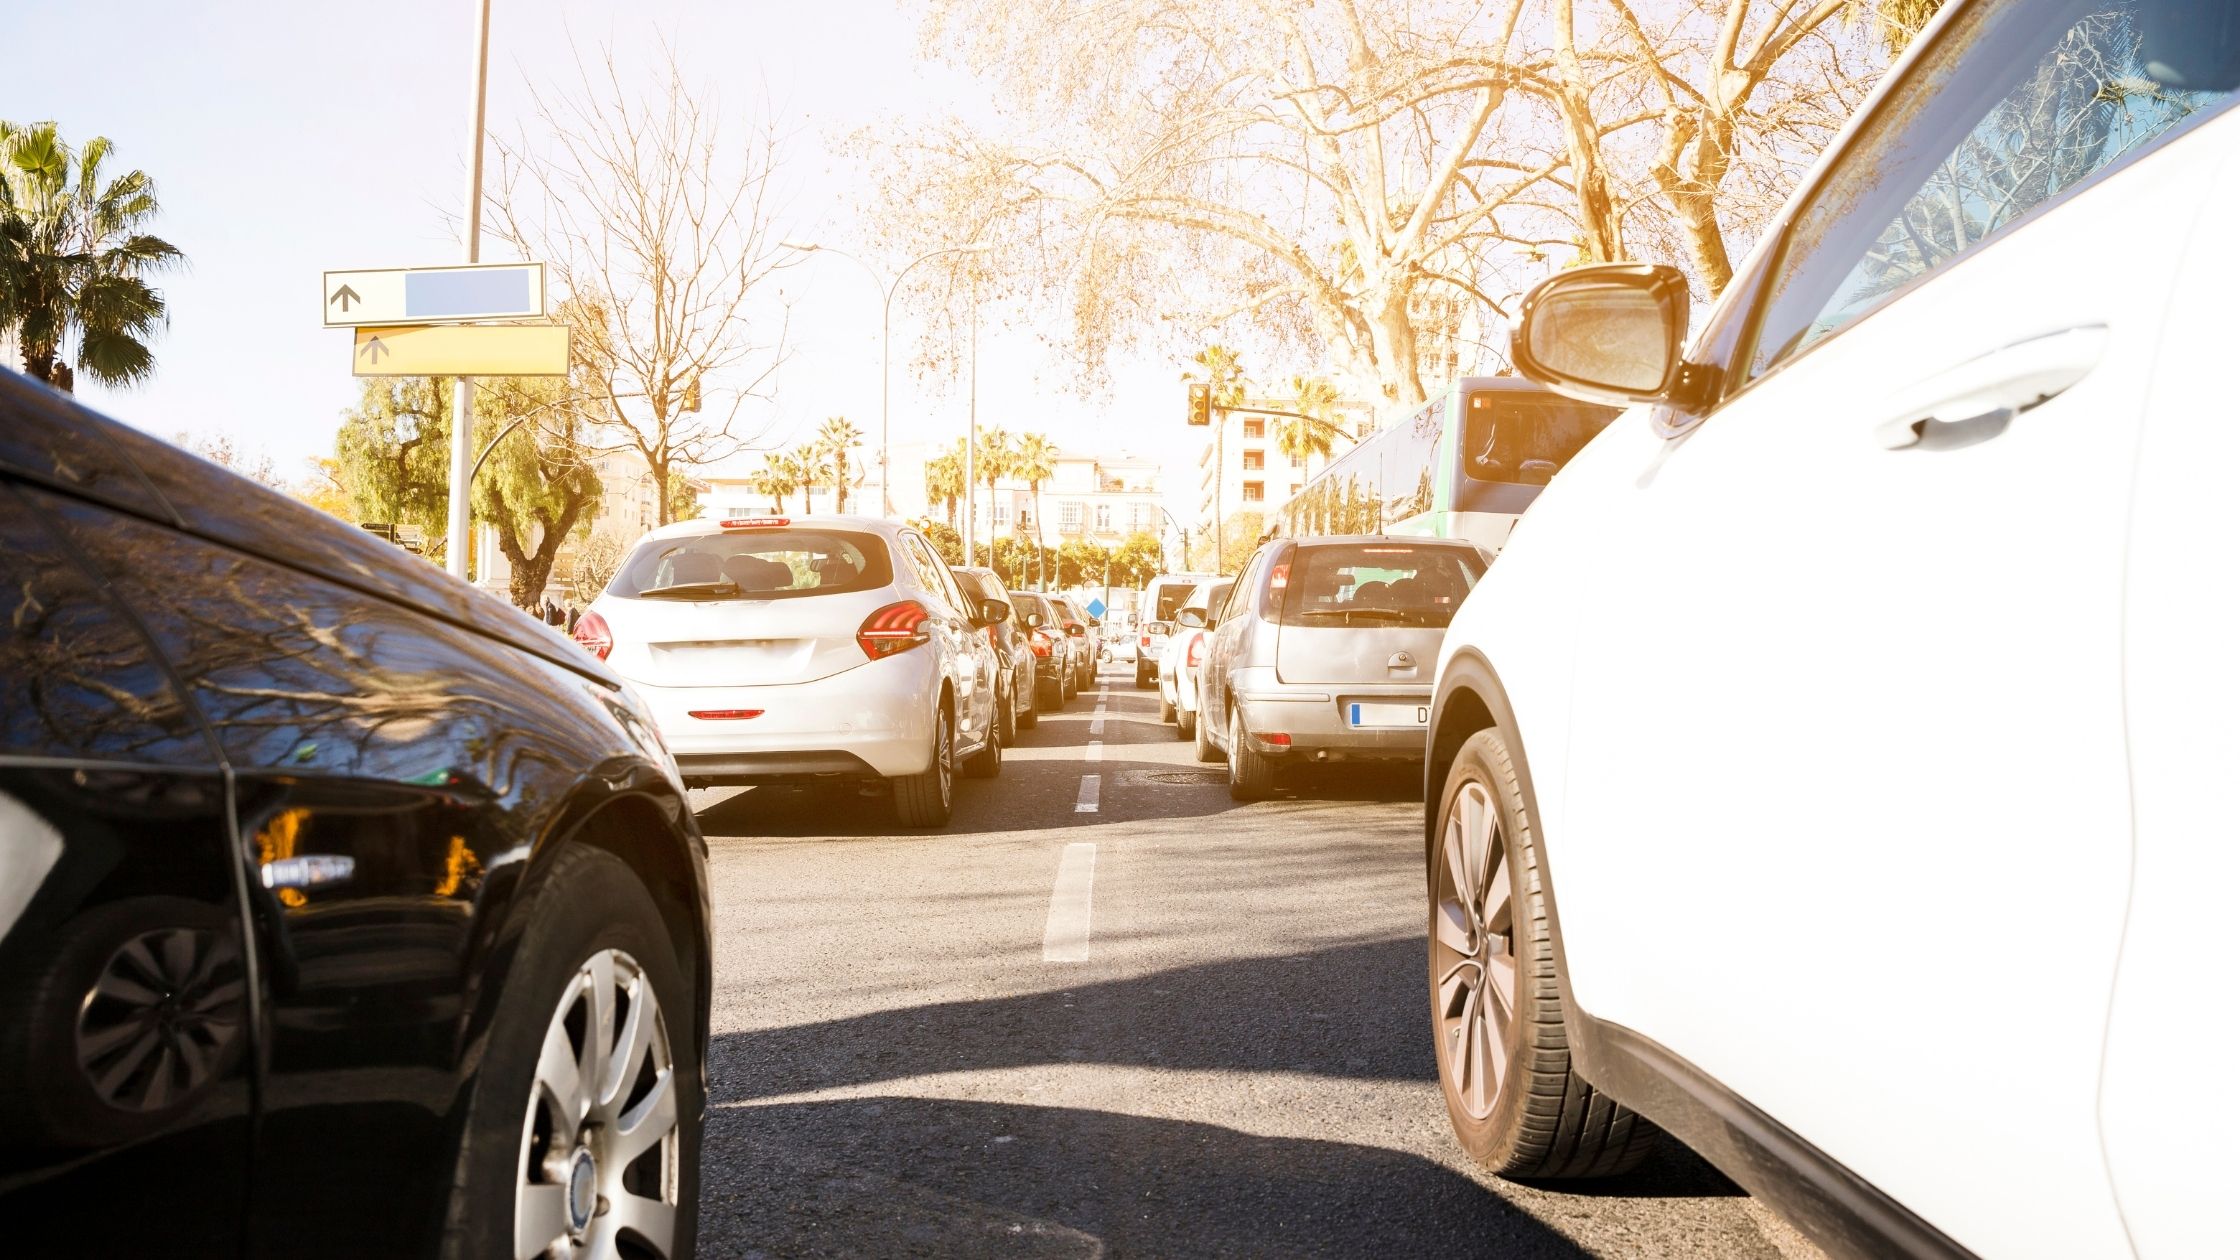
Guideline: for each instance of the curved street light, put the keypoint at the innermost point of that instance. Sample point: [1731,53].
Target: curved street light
[886,312]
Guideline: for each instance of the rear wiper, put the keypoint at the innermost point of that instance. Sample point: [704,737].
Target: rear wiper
[693,590]
[1387,614]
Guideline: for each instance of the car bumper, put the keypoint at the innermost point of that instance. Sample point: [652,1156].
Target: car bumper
[1316,717]
[875,719]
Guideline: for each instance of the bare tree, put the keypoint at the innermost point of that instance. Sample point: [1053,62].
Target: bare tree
[658,230]
[597,559]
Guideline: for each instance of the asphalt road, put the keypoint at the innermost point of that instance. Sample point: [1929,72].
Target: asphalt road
[1237,1064]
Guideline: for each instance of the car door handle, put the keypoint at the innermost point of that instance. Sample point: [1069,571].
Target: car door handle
[1974,401]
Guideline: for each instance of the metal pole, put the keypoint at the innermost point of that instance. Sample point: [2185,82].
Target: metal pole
[462,392]
[1220,472]
[886,463]
[971,422]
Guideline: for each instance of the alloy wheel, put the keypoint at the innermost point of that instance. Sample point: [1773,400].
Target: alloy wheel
[160,1019]
[944,742]
[600,1147]
[1473,951]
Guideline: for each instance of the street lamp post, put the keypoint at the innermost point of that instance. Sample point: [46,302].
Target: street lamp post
[886,313]
[462,392]
[1179,530]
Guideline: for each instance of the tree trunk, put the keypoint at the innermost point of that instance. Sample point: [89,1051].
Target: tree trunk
[38,364]
[1394,335]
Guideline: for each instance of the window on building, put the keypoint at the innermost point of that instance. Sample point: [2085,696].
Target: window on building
[1298,461]
[1256,428]
[999,513]
[1104,518]
[1296,487]
[1069,517]
[1254,492]
[1139,516]
[1255,460]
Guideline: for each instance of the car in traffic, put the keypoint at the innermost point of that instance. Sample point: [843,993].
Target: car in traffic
[1155,609]
[321,870]
[1083,630]
[1055,670]
[779,649]
[1178,667]
[1833,771]
[1015,659]
[1324,650]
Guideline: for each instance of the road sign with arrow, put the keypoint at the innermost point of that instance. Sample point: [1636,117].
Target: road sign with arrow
[432,295]
[462,350]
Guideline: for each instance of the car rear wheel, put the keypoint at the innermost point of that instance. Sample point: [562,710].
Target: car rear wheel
[987,763]
[925,799]
[1252,775]
[1143,677]
[583,1134]
[1166,710]
[1192,725]
[1007,718]
[1030,715]
[1496,1014]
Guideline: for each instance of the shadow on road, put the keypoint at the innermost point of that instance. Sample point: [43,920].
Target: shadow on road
[922,1177]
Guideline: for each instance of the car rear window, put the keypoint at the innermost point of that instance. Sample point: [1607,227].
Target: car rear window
[1028,606]
[758,563]
[1170,599]
[1375,584]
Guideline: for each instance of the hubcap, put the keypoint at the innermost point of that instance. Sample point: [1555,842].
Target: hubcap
[941,747]
[599,1147]
[1473,963]
[161,1016]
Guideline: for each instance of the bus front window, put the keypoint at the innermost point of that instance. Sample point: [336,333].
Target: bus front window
[1524,436]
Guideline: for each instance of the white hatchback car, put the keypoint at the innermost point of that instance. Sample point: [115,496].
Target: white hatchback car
[1837,767]
[1178,666]
[777,649]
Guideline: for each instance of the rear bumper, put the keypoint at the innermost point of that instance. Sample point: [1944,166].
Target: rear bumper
[1316,718]
[875,719]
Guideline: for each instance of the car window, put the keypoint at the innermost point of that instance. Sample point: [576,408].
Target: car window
[1239,598]
[2015,105]
[1030,611]
[1378,584]
[1524,436]
[77,678]
[758,563]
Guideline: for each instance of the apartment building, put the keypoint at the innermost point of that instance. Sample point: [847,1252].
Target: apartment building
[1243,466]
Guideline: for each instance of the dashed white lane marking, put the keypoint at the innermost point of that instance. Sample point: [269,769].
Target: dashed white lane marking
[1096,726]
[1086,803]
[1096,751]
[1065,937]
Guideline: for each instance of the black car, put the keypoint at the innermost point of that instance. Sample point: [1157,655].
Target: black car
[1054,670]
[1014,644]
[344,910]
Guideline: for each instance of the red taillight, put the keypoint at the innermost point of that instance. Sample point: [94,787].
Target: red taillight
[1040,644]
[592,633]
[723,715]
[1146,642]
[1276,739]
[896,628]
[1196,641]
[758,522]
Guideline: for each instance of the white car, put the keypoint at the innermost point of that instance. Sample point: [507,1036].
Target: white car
[1178,667]
[1837,767]
[776,649]
[1155,609]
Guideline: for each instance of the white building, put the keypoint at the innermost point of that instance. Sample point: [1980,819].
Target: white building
[1243,469]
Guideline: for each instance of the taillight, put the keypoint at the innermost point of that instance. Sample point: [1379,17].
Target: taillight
[1197,641]
[757,522]
[896,628]
[1146,641]
[593,634]
[1040,644]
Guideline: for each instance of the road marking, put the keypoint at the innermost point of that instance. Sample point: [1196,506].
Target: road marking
[1096,751]
[1096,726]
[1065,938]
[1086,803]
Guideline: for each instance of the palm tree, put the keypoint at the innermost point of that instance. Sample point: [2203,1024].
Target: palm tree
[992,463]
[945,482]
[73,260]
[773,479]
[834,441]
[1315,434]
[797,470]
[1035,462]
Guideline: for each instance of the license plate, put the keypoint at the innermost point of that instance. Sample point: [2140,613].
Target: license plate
[1403,714]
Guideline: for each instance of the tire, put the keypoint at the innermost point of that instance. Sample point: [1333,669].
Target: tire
[1166,710]
[1207,750]
[1252,775]
[987,763]
[1185,725]
[589,909]
[926,799]
[1007,719]
[1030,717]
[1049,697]
[1068,684]
[1516,1106]
[1143,677]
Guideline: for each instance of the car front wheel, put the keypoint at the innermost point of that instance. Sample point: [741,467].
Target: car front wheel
[1496,1016]
[583,1130]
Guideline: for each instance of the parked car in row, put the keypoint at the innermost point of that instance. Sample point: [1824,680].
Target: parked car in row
[816,648]
[1323,650]
[1155,610]
[1836,769]
[321,871]
[1088,639]
[1178,666]
[1015,659]
[1057,654]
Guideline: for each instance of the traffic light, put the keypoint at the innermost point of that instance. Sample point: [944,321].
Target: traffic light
[1201,404]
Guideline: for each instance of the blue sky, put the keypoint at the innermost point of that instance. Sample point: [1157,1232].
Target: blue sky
[289,138]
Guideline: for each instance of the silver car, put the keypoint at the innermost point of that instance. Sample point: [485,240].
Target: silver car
[1325,651]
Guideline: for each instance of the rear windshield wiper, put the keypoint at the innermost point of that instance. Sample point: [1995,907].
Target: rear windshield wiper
[693,590]
[1381,614]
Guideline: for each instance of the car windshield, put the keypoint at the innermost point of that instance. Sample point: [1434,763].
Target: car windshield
[755,563]
[1377,584]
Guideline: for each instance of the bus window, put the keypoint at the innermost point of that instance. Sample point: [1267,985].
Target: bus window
[1523,437]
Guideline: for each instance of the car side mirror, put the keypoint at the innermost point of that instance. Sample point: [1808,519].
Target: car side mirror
[1608,334]
[1191,618]
[1077,630]
[994,612]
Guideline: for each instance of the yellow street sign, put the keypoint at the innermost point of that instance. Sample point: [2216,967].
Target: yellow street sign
[461,350]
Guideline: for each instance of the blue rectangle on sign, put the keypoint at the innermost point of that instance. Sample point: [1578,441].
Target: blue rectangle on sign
[450,294]
[1353,714]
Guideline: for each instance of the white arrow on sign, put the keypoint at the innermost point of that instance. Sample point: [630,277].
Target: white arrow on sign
[433,295]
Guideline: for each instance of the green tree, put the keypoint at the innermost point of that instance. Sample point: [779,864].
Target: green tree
[1081,562]
[948,544]
[1139,558]
[393,451]
[1035,462]
[796,470]
[945,483]
[536,488]
[773,481]
[1240,532]
[992,461]
[833,443]
[75,259]
[1316,429]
